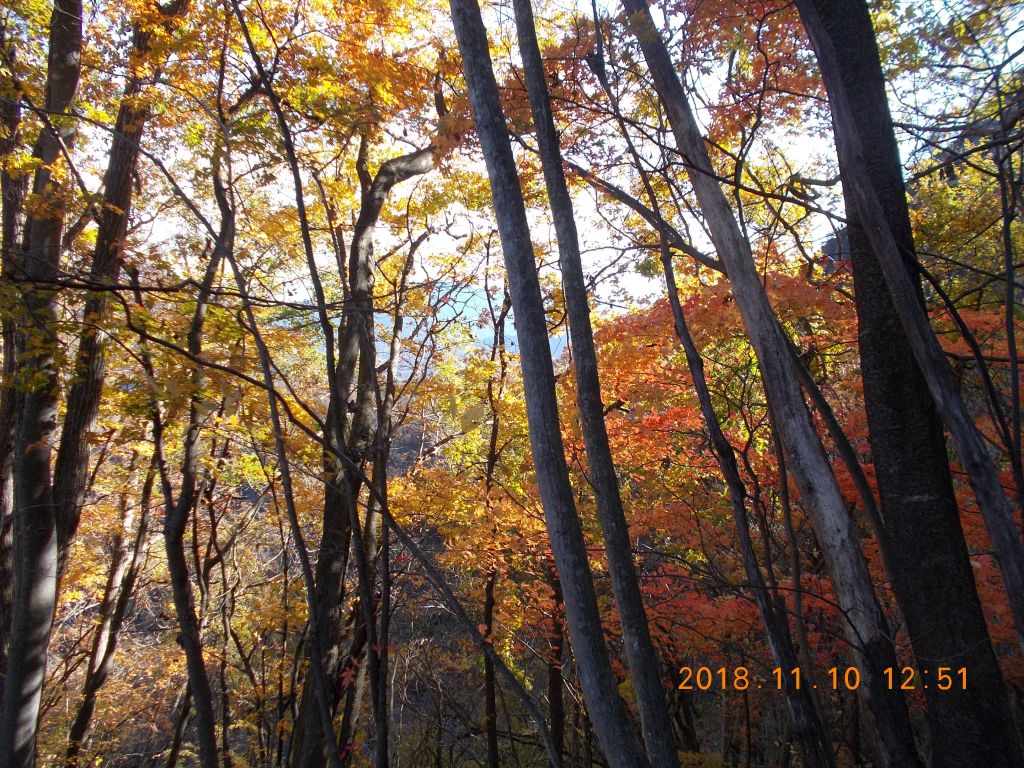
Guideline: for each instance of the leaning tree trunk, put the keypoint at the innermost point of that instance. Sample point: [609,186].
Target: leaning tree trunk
[805,720]
[35,520]
[891,257]
[607,710]
[640,653]
[933,579]
[865,625]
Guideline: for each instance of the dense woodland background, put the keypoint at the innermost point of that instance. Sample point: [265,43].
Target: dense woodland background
[389,384]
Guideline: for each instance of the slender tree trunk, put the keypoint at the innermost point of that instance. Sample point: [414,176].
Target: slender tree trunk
[865,625]
[13,189]
[804,715]
[490,684]
[177,513]
[857,149]
[933,579]
[317,675]
[71,468]
[556,699]
[180,721]
[495,389]
[385,427]
[805,721]
[1009,201]
[120,587]
[619,741]
[314,737]
[640,653]
[35,516]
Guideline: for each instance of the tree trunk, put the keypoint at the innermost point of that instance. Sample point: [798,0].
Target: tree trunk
[805,717]
[177,513]
[556,698]
[854,151]
[805,721]
[865,626]
[640,653]
[35,521]
[619,741]
[933,579]
[13,188]
[71,468]
[490,684]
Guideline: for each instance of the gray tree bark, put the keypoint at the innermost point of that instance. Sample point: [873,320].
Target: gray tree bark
[606,708]
[34,511]
[13,188]
[932,575]
[640,653]
[996,509]
[865,626]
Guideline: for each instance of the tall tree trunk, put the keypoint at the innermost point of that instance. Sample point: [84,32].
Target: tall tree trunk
[856,150]
[321,702]
[178,512]
[356,363]
[805,719]
[865,626]
[933,579]
[13,188]
[640,653]
[382,456]
[619,741]
[71,468]
[495,389]
[35,521]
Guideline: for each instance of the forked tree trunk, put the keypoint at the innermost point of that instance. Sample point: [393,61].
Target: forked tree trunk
[864,625]
[607,710]
[932,575]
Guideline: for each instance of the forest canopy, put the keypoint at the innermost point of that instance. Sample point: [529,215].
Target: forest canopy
[406,384]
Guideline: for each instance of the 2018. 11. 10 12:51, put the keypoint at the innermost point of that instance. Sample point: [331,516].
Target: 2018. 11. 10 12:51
[848,678]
